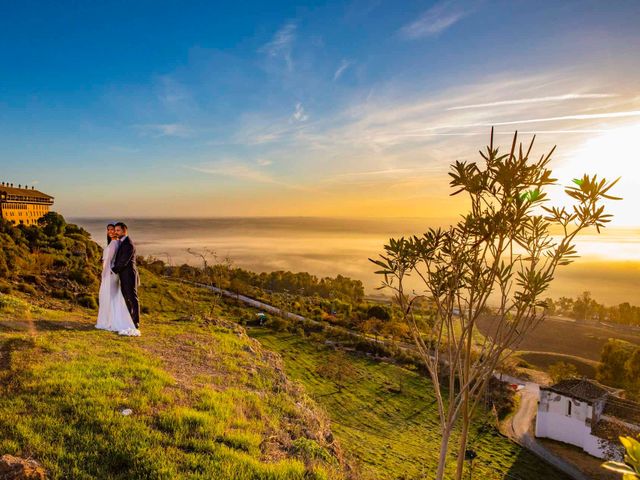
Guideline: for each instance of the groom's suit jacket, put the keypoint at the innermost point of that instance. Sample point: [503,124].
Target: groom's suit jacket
[125,263]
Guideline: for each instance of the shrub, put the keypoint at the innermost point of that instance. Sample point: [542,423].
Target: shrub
[5,287]
[630,469]
[83,276]
[310,450]
[88,301]
[62,294]
[379,312]
[26,288]
[278,324]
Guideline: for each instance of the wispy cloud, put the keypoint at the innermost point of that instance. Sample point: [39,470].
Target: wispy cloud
[521,101]
[585,116]
[299,114]
[234,169]
[436,20]
[344,65]
[281,44]
[374,173]
[164,130]
[245,171]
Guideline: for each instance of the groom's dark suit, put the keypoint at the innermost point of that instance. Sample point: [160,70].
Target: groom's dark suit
[125,266]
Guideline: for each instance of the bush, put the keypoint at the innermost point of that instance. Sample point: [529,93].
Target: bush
[62,294]
[310,450]
[88,301]
[83,276]
[5,287]
[61,262]
[26,288]
[379,312]
[278,324]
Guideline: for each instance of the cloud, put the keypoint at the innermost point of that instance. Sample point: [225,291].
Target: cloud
[521,101]
[585,116]
[281,44]
[234,169]
[164,130]
[344,65]
[299,115]
[245,171]
[264,162]
[435,20]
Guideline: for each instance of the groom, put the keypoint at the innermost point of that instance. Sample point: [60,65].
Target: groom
[125,266]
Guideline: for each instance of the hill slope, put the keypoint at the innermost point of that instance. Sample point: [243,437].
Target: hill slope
[386,416]
[206,400]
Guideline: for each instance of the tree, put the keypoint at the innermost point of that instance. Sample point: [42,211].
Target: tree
[551,306]
[338,369]
[632,370]
[379,312]
[565,305]
[562,371]
[613,359]
[372,326]
[501,249]
[53,224]
[583,307]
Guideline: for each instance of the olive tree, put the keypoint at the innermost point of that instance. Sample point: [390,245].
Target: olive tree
[501,254]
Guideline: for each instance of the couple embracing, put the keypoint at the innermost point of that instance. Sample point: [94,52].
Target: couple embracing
[119,305]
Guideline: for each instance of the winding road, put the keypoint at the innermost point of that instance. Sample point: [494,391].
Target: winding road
[520,427]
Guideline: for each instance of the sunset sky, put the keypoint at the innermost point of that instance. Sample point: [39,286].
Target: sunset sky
[327,108]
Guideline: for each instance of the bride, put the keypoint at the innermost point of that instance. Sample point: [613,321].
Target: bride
[113,314]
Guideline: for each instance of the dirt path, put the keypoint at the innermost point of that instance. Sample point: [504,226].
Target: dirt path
[520,428]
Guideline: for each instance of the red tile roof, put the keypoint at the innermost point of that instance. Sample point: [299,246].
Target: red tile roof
[581,389]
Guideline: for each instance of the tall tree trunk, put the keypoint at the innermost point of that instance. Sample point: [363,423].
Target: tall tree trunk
[444,448]
[462,445]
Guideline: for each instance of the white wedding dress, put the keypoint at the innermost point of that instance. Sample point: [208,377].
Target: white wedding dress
[113,314]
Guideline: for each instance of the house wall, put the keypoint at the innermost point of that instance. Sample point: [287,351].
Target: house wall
[555,422]
[22,212]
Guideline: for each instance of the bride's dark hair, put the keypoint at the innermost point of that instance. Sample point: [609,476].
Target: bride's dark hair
[108,237]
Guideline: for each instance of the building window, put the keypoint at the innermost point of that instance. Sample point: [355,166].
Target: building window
[569,408]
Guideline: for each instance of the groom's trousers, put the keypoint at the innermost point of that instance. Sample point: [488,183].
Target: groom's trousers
[129,287]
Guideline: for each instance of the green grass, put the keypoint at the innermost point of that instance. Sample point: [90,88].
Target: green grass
[393,435]
[207,401]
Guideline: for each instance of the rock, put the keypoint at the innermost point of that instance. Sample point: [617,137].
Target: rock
[14,468]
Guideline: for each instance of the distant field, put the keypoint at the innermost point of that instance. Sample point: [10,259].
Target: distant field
[570,338]
[561,340]
[393,435]
[543,360]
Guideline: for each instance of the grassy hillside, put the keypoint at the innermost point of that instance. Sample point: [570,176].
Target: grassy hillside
[207,401]
[386,416]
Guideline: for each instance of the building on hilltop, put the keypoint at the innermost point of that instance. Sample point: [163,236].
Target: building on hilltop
[586,414]
[23,205]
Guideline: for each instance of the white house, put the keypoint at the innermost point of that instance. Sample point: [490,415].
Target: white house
[588,415]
